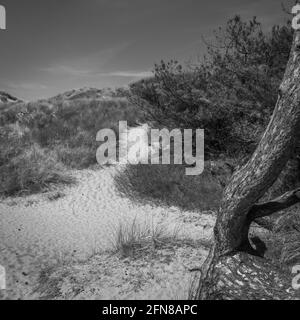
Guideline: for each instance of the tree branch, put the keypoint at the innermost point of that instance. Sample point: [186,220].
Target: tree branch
[266,209]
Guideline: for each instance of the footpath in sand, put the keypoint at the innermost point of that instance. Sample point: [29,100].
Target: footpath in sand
[58,245]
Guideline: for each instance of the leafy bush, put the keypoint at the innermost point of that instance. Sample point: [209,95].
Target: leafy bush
[231,94]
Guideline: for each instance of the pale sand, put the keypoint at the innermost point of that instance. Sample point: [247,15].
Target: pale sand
[36,232]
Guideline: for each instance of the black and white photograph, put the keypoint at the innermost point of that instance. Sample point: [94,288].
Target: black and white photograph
[149,151]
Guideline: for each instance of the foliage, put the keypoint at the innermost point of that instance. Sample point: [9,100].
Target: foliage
[231,93]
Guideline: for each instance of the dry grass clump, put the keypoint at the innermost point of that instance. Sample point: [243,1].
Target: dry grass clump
[32,170]
[69,127]
[168,185]
[25,167]
[76,158]
[131,237]
[40,140]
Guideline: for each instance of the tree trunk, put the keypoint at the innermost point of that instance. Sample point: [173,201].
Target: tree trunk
[233,268]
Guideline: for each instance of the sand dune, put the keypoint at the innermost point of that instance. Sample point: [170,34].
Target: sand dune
[36,232]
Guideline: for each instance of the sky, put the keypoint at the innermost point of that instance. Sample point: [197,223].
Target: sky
[51,46]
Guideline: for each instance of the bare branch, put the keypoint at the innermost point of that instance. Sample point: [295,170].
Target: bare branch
[283,202]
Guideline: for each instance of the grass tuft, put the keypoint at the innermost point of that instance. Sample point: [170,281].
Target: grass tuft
[168,185]
[32,170]
[131,237]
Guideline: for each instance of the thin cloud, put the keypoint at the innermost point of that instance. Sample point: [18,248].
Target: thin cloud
[129,74]
[71,71]
[26,86]
[66,70]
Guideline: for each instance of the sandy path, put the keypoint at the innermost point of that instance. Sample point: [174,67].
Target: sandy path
[77,225]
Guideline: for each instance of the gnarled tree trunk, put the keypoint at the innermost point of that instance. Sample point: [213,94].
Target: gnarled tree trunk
[234,269]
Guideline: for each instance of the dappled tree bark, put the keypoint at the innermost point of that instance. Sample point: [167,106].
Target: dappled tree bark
[234,269]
